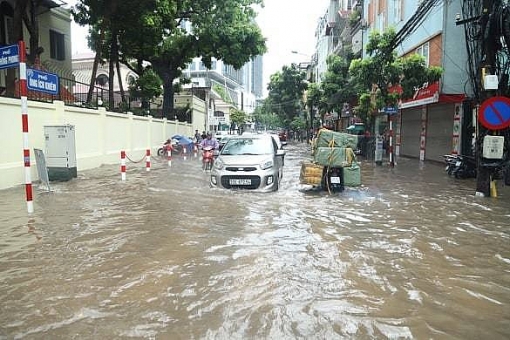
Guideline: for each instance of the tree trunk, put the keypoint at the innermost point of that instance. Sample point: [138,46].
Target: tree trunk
[32,24]
[168,90]
[111,71]
[19,10]
[97,60]
[119,78]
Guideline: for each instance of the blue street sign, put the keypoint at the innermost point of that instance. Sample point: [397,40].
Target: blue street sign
[391,110]
[42,81]
[9,56]
[494,113]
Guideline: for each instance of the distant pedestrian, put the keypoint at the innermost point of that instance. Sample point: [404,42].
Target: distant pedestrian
[198,136]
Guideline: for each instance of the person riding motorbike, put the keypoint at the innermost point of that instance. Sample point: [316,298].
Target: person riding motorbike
[168,145]
[208,145]
[209,141]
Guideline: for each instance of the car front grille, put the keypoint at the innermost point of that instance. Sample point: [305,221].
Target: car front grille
[255,182]
[240,168]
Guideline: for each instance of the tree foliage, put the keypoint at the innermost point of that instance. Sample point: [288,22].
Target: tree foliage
[146,87]
[335,85]
[286,89]
[238,117]
[168,34]
[374,77]
[264,117]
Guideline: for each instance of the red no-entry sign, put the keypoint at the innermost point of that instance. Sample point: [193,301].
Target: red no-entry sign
[495,113]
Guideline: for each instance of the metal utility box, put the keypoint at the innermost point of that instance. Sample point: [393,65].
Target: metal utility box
[60,152]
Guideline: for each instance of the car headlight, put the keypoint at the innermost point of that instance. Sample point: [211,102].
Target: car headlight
[218,164]
[267,164]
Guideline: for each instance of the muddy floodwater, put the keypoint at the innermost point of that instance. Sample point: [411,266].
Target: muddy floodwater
[412,254]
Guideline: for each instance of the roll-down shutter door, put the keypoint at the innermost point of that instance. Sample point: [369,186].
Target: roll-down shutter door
[439,131]
[410,132]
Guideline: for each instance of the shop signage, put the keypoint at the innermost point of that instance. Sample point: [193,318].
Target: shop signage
[427,94]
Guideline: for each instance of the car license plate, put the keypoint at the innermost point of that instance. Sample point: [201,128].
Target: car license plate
[236,181]
[335,180]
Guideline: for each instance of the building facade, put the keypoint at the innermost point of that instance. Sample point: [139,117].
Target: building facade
[437,120]
[430,124]
[54,24]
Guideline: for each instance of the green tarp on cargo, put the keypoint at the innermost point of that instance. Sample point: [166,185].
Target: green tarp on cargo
[330,138]
[334,157]
[352,175]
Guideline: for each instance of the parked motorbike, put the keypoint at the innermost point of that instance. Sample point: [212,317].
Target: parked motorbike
[207,158]
[460,166]
[174,146]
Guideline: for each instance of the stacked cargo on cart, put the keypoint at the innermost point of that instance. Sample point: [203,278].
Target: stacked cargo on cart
[333,161]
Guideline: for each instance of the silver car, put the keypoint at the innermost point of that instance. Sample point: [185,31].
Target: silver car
[249,162]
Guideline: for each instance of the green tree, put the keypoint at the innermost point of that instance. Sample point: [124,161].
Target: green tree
[335,87]
[238,117]
[298,123]
[286,89]
[373,77]
[169,34]
[314,99]
[265,118]
[221,29]
[146,87]
[415,72]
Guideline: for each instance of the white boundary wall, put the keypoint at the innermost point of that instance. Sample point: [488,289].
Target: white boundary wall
[100,135]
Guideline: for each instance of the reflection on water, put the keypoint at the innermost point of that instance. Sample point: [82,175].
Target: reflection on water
[411,255]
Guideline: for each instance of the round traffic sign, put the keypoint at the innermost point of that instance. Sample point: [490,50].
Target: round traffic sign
[494,113]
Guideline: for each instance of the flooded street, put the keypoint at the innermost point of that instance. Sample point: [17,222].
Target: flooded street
[411,255]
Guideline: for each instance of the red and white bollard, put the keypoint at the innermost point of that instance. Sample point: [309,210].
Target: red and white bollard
[123,165]
[392,156]
[184,151]
[195,150]
[23,90]
[148,160]
[169,155]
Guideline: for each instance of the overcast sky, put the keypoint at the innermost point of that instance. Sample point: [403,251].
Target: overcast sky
[288,25]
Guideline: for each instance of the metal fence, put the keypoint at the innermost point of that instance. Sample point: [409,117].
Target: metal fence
[74,93]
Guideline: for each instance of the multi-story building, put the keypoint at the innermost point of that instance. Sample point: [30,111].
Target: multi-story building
[437,119]
[242,88]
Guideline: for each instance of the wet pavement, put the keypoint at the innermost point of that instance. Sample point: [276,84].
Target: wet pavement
[412,254]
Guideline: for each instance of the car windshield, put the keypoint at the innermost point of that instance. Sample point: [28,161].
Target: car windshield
[248,146]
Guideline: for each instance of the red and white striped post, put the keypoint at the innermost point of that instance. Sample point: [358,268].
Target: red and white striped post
[148,160]
[392,159]
[23,90]
[195,150]
[169,155]
[184,151]
[123,165]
